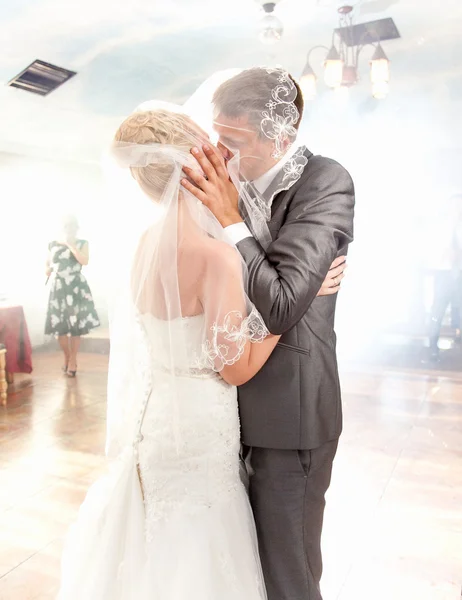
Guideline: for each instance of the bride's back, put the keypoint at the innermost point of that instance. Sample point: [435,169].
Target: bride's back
[198,258]
[184,266]
[171,259]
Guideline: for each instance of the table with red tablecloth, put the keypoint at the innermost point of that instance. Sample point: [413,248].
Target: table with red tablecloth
[15,336]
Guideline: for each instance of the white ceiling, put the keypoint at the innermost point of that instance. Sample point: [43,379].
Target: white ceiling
[129,51]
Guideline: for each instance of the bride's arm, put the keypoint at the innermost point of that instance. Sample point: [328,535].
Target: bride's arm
[257,355]
[240,356]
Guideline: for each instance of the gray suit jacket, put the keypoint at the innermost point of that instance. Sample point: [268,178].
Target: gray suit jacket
[294,401]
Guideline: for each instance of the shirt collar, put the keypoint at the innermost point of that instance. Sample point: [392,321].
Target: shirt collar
[263,182]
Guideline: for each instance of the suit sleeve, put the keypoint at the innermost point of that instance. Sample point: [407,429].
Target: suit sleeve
[284,280]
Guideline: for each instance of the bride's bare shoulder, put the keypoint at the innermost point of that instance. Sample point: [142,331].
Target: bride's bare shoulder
[217,255]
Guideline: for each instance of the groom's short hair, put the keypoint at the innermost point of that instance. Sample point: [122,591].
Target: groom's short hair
[248,92]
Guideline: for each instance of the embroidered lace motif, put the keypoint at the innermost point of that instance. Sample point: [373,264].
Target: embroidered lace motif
[279,120]
[228,340]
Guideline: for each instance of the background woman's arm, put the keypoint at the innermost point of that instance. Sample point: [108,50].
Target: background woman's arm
[82,254]
[48,267]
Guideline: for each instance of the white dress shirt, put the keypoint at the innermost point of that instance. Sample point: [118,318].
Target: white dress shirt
[240,231]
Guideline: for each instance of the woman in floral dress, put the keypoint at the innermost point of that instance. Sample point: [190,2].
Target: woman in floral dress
[71,310]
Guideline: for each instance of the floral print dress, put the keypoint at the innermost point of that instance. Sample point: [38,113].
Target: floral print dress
[71,310]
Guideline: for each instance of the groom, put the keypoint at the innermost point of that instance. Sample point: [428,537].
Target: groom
[291,414]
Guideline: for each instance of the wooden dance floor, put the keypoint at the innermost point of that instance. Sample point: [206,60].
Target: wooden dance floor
[393,526]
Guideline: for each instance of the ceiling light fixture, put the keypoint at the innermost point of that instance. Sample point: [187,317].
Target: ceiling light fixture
[342,58]
[270,27]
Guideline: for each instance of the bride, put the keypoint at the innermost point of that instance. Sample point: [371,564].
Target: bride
[171,520]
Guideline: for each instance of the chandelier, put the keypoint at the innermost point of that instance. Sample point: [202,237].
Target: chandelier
[342,58]
[270,27]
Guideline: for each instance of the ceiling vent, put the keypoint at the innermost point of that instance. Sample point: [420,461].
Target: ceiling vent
[368,33]
[41,78]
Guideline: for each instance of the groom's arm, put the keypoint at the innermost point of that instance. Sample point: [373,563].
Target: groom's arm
[284,280]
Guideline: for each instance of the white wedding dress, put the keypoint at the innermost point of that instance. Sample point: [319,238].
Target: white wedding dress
[187,533]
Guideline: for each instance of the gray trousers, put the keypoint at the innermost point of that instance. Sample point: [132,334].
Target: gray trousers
[286,489]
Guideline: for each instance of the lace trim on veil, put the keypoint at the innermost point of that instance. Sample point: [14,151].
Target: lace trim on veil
[217,353]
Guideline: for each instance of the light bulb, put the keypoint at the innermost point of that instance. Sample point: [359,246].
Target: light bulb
[380,73]
[380,89]
[333,68]
[308,85]
[380,70]
[333,71]
[271,29]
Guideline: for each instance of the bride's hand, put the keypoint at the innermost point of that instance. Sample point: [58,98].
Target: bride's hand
[213,186]
[336,273]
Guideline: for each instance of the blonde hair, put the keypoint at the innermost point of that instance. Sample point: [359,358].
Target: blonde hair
[157,127]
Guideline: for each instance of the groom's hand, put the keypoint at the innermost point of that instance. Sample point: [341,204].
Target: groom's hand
[213,186]
[336,273]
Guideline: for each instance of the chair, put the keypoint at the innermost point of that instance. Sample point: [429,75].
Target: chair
[3,381]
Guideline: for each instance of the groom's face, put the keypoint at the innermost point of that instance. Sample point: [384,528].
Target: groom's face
[237,135]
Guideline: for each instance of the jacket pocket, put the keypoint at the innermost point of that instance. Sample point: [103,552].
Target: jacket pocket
[293,348]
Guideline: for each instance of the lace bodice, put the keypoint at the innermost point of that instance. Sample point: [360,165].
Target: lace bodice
[189,452]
